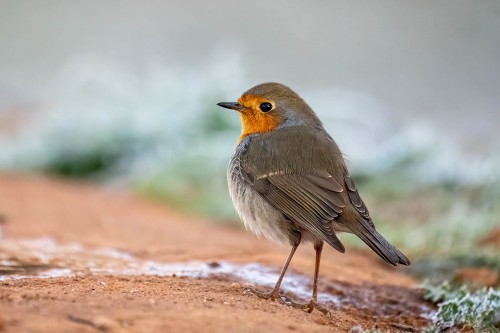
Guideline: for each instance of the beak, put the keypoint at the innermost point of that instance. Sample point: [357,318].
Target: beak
[230,105]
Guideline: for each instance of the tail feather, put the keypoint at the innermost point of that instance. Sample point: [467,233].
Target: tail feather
[378,243]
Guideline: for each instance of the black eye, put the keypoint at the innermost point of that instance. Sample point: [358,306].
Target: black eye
[266,107]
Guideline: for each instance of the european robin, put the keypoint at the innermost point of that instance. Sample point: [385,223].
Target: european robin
[289,182]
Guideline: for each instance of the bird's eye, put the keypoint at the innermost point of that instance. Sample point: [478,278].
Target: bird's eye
[266,107]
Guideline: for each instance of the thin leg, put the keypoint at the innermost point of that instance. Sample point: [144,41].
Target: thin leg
[275,293]
[313,303]
[319,248]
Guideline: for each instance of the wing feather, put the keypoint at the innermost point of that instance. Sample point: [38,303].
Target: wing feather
[311,201]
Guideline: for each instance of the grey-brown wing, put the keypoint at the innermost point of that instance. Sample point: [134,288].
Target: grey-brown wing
[311,201]
[356,200]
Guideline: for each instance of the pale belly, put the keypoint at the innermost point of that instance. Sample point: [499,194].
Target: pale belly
[257,214]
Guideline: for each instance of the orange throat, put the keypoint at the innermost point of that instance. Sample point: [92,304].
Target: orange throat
[253,122]
[252,119]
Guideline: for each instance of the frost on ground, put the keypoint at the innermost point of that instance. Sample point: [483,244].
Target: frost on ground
[479,309]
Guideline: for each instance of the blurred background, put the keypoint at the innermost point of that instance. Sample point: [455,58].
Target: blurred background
[124,93]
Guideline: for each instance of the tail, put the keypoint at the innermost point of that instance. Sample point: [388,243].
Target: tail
[377,243]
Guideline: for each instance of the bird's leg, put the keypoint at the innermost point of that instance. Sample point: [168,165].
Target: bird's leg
[275,293]
[313,303]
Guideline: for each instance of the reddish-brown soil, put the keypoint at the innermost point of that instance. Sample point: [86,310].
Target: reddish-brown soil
[491,239]
[372,294]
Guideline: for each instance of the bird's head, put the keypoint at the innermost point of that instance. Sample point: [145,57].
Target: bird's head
[271,106]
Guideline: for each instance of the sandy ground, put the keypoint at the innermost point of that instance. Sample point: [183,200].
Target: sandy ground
[75,220]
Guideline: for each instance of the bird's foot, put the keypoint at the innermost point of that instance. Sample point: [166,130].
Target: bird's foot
[274,295]
[309,307]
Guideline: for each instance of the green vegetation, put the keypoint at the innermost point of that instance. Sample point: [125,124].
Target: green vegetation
[439,224]
[192,185]
[461,308]
[195,180]
[86,164]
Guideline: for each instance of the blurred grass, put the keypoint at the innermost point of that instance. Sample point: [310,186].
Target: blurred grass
[100,161]
[193,185]
[195,181]
[438,224]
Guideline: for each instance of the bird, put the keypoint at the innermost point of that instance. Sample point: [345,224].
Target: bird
[289,182]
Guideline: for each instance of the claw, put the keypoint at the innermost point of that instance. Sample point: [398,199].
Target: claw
[274,295]
[310,306]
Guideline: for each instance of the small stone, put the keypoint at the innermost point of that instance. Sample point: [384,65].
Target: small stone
[213,264]
[235,285]
[226,303]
